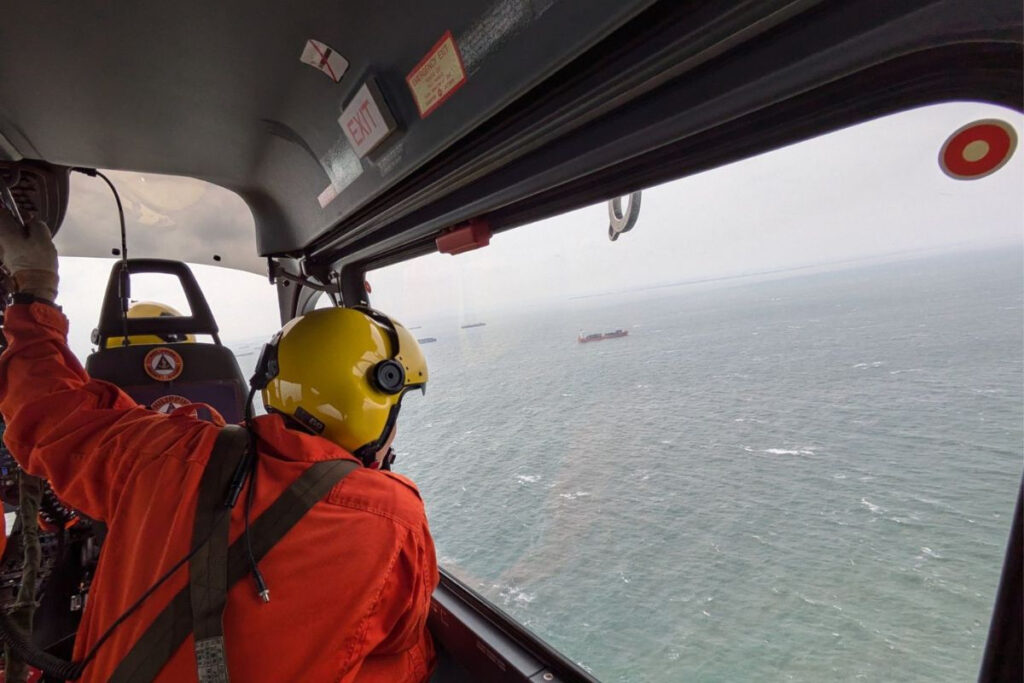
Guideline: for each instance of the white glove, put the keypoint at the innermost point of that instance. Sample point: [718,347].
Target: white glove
[32,258]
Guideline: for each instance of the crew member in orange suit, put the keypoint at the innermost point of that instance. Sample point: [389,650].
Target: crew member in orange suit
[341,596]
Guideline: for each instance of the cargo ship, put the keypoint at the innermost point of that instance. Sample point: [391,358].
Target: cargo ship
[601,336]
[466,327]
[427,340]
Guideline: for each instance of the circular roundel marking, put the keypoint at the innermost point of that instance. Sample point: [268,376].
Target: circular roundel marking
[169,403]
[978,149]
[163,364]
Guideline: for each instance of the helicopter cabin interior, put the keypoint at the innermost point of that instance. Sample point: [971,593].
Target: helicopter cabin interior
[362,135]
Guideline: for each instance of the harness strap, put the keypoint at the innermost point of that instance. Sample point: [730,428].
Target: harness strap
[208,568]
[172,626]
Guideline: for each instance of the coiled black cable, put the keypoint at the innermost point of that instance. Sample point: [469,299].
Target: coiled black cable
[20,643]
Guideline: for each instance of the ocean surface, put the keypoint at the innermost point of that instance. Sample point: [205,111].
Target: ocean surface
[804,478]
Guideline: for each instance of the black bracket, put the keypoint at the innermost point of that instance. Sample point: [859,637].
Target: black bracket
[321,279]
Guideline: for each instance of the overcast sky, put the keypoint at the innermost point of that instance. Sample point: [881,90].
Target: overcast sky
[863,192]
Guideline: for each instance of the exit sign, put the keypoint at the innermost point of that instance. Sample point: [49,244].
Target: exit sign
[367,120]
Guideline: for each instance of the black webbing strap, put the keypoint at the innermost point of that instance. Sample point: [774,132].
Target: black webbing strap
[171,627]
[208,568]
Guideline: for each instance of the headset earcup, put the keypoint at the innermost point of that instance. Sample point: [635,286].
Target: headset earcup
[389,376]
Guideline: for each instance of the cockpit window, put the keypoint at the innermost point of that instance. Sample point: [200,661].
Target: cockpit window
[169,217]
[773,431]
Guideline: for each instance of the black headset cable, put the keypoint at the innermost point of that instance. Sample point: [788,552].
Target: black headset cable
[253,466]
[123,283]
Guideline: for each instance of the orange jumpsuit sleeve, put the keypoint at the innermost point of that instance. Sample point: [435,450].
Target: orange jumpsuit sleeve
[83,435]
[396,644]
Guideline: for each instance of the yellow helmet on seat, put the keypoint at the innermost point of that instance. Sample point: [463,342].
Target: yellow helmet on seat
[342,373]
[151,309]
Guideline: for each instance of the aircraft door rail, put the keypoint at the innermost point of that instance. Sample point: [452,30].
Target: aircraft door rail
[478,642]
[1004,658]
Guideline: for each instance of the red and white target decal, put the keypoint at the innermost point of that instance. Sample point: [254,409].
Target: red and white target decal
[169,403]
[978,149]
[163,364]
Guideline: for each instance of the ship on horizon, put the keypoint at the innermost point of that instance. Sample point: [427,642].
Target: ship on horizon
[466,327]
[601,336]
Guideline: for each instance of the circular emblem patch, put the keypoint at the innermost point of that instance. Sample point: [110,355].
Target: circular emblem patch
[978,149]
[163,364]
[169,403]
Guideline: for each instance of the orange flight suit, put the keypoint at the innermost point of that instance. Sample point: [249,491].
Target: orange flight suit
[350,584]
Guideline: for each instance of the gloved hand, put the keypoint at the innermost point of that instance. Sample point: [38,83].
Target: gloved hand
[31,259]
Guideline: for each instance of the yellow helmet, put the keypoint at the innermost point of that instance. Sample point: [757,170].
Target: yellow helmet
[151,309]
[342,373]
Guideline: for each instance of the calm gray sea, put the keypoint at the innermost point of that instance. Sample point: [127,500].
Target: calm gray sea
[806,478]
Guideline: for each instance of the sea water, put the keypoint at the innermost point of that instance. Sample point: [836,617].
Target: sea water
[808,477]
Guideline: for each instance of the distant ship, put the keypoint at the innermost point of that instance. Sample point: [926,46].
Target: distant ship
[466,327]
[601,336]
[427,340]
